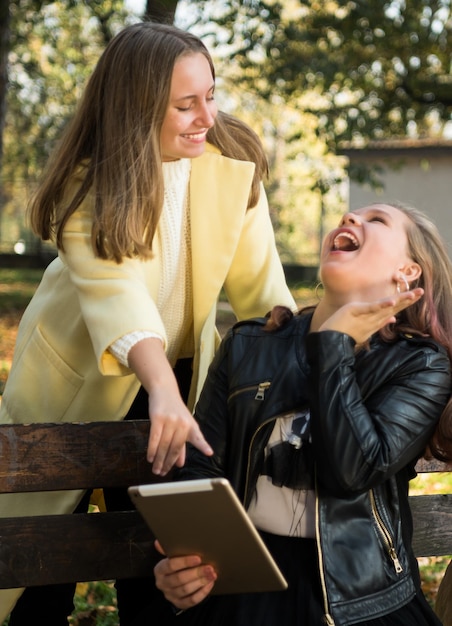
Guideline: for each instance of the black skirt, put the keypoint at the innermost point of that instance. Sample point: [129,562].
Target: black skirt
[300,605]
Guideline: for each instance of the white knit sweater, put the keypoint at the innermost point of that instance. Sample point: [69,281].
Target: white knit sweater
[175,297]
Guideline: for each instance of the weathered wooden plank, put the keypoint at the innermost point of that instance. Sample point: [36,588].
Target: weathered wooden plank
[102,546]
[433,465]
[39,457]
[432,517]
[66,548]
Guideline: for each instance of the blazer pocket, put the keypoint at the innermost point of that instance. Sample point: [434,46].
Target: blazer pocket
[41,385]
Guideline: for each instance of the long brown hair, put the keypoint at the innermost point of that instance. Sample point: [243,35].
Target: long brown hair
[113,144]
[431,316]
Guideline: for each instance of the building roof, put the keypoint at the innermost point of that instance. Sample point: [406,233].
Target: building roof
[397,147]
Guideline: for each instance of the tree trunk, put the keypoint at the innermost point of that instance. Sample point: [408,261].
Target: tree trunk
[160,11]
[4,51]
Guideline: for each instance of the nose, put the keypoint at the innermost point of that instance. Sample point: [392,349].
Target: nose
[207,114]
[351,218]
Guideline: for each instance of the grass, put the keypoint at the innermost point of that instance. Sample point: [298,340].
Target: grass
[95,605]
[17,286]
[16,289]
[96,602]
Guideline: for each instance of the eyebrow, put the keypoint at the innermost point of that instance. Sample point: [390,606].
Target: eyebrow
[375,211]
[191,96]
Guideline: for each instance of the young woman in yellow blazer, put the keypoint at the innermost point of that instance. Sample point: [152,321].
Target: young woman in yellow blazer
[155,202]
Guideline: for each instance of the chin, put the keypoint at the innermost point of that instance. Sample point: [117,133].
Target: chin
[196,152]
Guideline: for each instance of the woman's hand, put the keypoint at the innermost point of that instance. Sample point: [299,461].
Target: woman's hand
[185,581]
[172,424]
[361,320]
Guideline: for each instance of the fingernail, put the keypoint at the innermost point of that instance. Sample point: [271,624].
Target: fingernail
[209,573]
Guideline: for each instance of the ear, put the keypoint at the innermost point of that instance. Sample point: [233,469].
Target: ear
[412,271]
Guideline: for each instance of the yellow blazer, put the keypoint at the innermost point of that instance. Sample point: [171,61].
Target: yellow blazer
[62,369]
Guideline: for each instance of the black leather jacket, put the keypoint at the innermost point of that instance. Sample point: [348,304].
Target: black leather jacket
[372,414]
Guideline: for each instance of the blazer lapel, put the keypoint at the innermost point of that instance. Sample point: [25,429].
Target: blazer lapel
[219,190]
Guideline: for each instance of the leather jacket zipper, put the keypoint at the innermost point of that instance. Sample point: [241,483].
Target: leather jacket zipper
[385,534]
[248,463]
[327,616]
[260,388]
[260,391]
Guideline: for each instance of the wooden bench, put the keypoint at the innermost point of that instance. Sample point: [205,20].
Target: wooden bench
[71,548]
[432,516]
[105,546]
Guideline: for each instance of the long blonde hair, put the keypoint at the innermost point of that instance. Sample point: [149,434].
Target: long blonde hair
[432,314]
[113,143]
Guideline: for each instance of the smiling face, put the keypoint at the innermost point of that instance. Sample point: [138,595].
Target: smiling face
[191,109]
[367,255]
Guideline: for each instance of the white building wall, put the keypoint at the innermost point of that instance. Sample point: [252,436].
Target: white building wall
[423,180]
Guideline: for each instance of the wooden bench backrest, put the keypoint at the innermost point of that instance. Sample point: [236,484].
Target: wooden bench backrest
[104,546]
[432,516]
[70,548]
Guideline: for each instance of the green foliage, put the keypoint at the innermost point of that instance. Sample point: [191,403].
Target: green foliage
[307,75]
[366,69]
[312,75]
[95,605]
[53,50]
[54,45]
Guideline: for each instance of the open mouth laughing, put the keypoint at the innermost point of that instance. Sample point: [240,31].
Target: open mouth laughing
[345,241]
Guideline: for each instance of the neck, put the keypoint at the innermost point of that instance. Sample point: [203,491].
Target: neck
[333,301]
[323,311]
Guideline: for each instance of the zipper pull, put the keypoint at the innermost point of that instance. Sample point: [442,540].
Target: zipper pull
[262,388]
[395,559]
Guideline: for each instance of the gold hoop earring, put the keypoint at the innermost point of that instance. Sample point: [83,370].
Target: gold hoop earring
[316,291]
[405,282]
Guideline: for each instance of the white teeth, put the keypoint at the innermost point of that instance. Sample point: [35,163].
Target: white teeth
[195,136]
[338,243]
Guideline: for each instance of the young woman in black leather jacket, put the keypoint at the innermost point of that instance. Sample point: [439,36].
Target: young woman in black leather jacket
[318,420]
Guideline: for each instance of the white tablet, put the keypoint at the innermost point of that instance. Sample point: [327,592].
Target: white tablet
[206,517]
